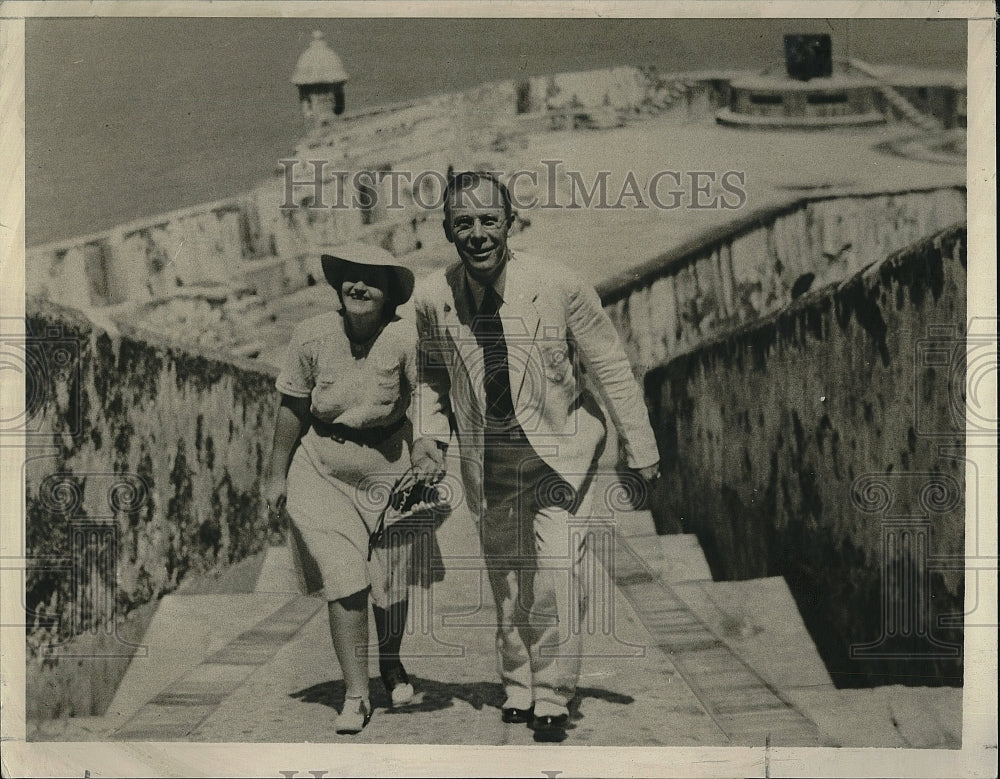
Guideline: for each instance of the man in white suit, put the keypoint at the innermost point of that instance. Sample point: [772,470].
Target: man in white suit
[504,339]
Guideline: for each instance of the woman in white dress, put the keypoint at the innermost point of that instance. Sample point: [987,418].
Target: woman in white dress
[341,428]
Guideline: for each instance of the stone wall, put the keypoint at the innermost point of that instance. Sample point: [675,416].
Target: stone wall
[143,469]
[250,239]
[758,263]
[823,444]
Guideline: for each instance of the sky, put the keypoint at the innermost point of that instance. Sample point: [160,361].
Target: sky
[127,118]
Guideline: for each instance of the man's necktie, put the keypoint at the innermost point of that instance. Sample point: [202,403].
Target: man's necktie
[496,379]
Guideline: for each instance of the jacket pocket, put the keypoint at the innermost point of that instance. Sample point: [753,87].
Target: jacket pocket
[556,362]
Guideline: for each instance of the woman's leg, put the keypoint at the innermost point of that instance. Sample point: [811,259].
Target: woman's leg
[349,630]
[391,625]
[390,620]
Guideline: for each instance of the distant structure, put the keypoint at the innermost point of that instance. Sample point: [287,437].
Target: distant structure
[320,77]
[808,95]
[813,94]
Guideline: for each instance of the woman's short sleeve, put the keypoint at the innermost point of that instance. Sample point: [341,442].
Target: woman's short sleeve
[298,373]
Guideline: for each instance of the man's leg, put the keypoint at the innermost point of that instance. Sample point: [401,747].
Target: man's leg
[560,603]
[502,540]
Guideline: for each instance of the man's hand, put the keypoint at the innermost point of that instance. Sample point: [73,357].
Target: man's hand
[649,474]
[428,460]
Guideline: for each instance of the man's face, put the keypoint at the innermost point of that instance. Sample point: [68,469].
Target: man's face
[478,227]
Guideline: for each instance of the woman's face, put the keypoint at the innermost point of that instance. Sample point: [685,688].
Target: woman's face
[364,290]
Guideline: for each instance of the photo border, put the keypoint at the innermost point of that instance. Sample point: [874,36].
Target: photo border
[978,755]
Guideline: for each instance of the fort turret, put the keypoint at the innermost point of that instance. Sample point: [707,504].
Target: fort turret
[320,78]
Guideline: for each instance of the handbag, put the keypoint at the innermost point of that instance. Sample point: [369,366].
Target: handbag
[410,500]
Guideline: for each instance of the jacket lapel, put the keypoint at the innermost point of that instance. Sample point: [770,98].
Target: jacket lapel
[458,325]
[520,317]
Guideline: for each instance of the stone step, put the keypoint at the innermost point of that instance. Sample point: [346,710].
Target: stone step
[185,630]
[177,709]
[89,728]
[889,716]
[760,622]
[675,558]
[758,618]
[238,578]
[277,573]
[747,706]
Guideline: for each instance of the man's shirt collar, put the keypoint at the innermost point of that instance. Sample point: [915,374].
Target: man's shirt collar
[478,290]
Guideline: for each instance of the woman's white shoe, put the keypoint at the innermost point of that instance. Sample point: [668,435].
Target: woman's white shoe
[354,716]
[402,694]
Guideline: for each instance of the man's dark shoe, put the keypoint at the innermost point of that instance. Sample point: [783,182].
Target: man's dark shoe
[515,715]
[549,727]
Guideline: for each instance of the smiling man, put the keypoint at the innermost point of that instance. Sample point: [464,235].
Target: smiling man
[503,339]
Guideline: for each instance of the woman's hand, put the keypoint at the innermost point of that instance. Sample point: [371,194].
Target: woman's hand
[289,425]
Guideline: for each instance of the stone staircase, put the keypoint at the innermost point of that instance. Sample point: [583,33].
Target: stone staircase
[903,106]
[688,661]
[759,623]
[692,619]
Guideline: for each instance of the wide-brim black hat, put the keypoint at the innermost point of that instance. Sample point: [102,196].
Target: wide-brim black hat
[335,260]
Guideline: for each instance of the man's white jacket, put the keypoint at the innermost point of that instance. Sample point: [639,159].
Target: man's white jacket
[556,329]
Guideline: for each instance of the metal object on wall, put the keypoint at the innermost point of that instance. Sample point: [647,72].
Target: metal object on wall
[808,56]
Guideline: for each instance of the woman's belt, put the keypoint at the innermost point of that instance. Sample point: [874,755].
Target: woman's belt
[365,436]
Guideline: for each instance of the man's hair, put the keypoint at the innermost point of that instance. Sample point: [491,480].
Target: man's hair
[469,179]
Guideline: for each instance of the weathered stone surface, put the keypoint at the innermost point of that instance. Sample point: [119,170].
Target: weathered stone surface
[806,445]
[153,477]
[756,266]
